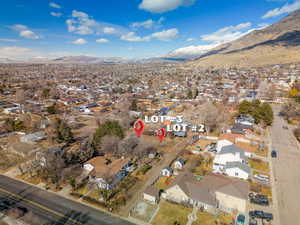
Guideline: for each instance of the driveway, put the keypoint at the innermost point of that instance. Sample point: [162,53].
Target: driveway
[286,171]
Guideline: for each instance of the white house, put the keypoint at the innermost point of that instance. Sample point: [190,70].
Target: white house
[222,143]
[179,164]
[166,172]
[238,170]
[230,154]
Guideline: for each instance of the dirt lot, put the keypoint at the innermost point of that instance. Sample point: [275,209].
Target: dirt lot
[259,165]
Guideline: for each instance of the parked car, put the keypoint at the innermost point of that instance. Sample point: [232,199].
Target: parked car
[261,215]
[274,154]
[259,199]
[240,219]
[252,222]
[261,177]
[285,127]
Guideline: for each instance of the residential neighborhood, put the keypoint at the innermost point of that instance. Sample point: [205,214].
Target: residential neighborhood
[149,112]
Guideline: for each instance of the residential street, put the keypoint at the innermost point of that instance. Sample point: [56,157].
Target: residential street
[286,169]
[52,208]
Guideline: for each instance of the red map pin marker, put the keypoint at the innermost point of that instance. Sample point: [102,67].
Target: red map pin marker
[139,127]
[161,133]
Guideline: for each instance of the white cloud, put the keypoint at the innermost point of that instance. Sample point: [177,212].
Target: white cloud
[24,31]
[287,8]
[29,34]
[79,41]
[191,51]
[8,40]
[18,27]
[102,40]
[190,39]
[54,5]
[148,24]
[160,6]
[14,52]
[228,34]
[214,39]
[56,14]
[165,35]
[132,37]
[82,23]
[109,30]
[262,26]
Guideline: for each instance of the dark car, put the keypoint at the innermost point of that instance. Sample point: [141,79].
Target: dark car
[259,200]
[261,215]
[274,154]
[285,127]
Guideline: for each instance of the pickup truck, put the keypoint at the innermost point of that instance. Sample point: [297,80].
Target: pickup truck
[261,215]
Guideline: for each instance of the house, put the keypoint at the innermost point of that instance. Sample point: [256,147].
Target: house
[238,170]
[211,192]
[230,153]
[151,194]
[245,120]
[179,163]
[106,173]
[166,172]
[222,143]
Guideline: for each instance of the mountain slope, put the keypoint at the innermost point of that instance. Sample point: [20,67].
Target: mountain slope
[276,44]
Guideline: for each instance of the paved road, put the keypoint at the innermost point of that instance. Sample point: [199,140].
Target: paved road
[286,169]
[52,208]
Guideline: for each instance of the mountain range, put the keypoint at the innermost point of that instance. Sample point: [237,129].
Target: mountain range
[275,44]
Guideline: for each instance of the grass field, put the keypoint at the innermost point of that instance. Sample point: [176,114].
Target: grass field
[260,165]
[170,213]
[205,218]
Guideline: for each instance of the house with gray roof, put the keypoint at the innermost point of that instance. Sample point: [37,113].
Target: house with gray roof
[231,160]
[213,192]
[237,169]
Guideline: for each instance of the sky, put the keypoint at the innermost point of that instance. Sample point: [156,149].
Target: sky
[129,28]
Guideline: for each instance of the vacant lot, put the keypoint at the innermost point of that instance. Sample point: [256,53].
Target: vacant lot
[163,182]
[259,165]
[170,213]
[205,218]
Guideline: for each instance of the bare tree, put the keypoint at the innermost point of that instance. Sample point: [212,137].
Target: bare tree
[210,115]
[110,144]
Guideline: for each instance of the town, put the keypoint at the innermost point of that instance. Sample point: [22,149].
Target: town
[150,112]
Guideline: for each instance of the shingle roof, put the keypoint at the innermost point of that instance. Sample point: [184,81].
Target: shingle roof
[205,189]
[240,165]
[232,149]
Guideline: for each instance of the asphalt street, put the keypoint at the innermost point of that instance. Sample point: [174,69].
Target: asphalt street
[53,209]
[286,169]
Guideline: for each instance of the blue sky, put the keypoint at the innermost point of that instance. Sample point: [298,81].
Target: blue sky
[129,28]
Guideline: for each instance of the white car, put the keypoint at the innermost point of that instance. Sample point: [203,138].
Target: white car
[261,177]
